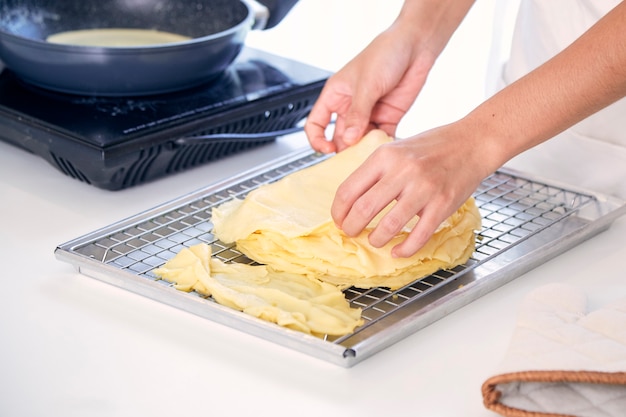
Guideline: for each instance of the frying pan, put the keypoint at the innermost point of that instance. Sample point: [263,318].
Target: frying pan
[217,29]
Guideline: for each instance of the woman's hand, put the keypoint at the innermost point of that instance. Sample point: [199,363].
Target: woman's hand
[429,175]
[377,87]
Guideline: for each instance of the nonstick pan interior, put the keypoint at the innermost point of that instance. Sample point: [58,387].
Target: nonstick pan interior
[39,19]
[217,29]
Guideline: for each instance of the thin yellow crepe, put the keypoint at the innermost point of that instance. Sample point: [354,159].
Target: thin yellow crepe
[115,37]
[287,225]
[290,300]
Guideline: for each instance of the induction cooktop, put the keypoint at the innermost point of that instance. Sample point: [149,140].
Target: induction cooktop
[118,142]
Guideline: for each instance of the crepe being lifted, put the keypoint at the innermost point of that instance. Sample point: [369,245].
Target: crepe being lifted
[294,301]
[287,225]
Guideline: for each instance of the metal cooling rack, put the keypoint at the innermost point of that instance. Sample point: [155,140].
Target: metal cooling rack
[525,223]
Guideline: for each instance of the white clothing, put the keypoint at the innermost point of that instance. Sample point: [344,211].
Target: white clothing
[591,154]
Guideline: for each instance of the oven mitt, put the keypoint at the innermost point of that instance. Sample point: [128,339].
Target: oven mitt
[562,360]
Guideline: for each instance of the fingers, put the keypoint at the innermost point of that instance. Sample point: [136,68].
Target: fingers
[379,185]
[398,182]
[356,205]
[427,224]
[392,223]
[404,208]
[353,200]
[315,127]
[355,122]
[343,97]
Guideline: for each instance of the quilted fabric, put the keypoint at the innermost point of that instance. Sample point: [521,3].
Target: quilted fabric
[562,360]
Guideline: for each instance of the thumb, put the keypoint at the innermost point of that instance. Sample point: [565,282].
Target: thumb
[358,118]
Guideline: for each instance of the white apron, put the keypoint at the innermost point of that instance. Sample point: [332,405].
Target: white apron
[591,154]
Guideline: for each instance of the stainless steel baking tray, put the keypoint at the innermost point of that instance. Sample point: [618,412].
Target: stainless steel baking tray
[525,222]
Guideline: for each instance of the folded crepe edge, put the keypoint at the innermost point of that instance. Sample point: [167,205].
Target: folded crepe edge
[491,393]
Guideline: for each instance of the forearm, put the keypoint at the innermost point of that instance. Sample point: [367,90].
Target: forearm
[584,78]
[431,23]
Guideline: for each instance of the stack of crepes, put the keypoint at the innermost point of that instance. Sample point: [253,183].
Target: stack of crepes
[287,225]
[306,261]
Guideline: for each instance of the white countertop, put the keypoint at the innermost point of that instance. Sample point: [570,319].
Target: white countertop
[73,346]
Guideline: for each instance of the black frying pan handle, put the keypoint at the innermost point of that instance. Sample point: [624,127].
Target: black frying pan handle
[235,137]
[278,9]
